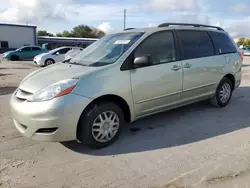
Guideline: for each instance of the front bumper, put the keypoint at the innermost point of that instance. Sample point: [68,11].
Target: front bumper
[39,62]
[55,120]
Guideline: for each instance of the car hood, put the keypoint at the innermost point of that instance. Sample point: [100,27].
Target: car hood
[7,53]
[54,73]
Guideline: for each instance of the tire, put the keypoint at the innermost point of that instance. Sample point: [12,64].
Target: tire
[14,58]
[217,100]
[49,62]
[86,128]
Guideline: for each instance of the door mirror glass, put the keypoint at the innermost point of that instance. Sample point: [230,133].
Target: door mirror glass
[142,61]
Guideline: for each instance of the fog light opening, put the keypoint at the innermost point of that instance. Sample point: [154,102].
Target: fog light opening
[46,130]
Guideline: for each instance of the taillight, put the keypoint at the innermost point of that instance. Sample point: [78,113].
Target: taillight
[241,55]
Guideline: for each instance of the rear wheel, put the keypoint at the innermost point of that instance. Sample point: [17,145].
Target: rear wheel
[223,93]
[14,58]
[100,125]
[49,62]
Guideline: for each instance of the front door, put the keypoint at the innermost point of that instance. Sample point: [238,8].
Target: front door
[60,55]
[24,53]
[201,65]
[158,86]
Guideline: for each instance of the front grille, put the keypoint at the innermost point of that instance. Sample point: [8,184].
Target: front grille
[23,95]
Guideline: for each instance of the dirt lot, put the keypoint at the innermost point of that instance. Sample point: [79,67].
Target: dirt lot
[194,146]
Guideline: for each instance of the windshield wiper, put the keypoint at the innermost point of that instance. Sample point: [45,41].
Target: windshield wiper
[76,63]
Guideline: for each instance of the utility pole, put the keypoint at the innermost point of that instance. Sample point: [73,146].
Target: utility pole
[124,19]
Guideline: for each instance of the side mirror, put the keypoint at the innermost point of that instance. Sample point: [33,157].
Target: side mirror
[142,61]
[57,53]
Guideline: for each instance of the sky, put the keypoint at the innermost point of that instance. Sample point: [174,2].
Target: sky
[59,15]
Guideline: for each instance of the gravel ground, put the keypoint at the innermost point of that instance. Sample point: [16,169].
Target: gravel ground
[193,146]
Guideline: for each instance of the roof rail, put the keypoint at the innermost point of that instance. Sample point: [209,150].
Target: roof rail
[128,29]
[189,24]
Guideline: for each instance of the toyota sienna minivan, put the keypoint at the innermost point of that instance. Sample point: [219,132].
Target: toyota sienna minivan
[126,76]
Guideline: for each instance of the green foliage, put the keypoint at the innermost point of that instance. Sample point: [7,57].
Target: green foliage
[44,33]
[243,41]
[80,31]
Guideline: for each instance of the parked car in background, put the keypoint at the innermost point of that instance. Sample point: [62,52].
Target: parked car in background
[52,56]
[73,52]
[246,51]
[126,76]
[24,53]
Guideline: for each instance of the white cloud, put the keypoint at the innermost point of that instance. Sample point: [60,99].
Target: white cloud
[33,11]
[238,28]
[241,8]
[105,27]
[187,17]
[171,5]
[49,15]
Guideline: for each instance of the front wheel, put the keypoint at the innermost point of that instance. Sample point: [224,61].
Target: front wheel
[49,62]
[14,58]
[100,125]
[223,93]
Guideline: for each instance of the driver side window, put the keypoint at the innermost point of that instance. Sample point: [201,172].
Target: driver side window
[25,49]
[159,46]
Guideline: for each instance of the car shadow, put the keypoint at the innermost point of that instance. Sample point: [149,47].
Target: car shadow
[21,68]
[5,74]
[7,90]
[178,127]
[245,65]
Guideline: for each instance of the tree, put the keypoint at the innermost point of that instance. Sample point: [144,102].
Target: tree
[59,35]
[44,33]
[82,31]
[66,34]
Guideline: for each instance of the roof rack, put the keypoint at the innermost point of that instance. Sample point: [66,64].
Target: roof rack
[189,24]
[128,29]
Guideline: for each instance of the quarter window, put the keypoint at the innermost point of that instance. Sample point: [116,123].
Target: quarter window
[159,46]
[223,43]
[195,44]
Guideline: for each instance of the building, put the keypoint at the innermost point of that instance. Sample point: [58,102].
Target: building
[14,36]
[54,42]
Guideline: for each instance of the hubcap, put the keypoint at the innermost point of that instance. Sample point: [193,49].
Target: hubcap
[105,126]
[49,62]
[225,92]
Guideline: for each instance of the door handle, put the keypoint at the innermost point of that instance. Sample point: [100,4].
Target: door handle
[187,65]
[176,67]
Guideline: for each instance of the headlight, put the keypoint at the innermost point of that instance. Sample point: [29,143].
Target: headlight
[58,89]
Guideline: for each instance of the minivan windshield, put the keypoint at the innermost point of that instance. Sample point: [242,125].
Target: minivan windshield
[107,49]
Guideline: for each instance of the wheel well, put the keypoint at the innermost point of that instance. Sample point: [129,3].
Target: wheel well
[50,59]
[231,78]
[110,98]
[118,101]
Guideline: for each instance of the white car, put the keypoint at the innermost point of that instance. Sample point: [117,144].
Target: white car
[53,56]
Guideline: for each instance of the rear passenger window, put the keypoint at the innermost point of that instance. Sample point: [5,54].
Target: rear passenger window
[223,43]
[35,49]
[195,44]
